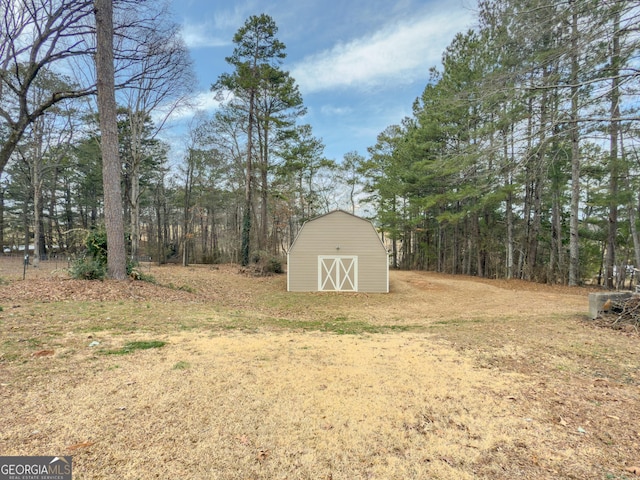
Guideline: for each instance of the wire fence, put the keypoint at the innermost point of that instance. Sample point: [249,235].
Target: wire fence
[16,266]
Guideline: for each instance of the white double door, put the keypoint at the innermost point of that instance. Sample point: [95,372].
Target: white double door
[337,273]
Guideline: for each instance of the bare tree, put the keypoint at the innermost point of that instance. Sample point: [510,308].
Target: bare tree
[164,80]
[35,36]
[257,49]
[349,172]
[48,139]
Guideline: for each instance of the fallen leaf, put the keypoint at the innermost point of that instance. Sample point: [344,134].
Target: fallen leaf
[80,445]
[43,353]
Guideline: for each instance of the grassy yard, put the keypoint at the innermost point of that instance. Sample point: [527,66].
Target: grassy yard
[212,374]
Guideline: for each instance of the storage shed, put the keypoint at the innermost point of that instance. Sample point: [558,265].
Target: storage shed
[338,252]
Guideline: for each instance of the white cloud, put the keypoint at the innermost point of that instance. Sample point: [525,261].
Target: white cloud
[198,35]
[399,53]
[206,101]
[332,110]
[216,31]
[218,28]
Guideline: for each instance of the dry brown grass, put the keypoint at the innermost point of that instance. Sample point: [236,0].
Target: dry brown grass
[446,378]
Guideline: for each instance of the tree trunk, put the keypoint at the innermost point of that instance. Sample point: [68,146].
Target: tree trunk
[537,176]
[248,192]
[35,163]
[187,218]
[111,170]
[134,210]
[160,239]
[634,230]
[2,189]
[264,192]
[613,159]
[556,252]
[54,238]
[136,125]
[394,235]
[27,227]
[68,214]
[37,212]
[574,239]
[509,210]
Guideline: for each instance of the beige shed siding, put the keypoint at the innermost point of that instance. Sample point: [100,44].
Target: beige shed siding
[322,236]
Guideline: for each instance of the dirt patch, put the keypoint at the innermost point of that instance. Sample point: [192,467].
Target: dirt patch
[445,377]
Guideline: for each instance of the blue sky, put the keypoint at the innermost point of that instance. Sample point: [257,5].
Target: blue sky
[359,64]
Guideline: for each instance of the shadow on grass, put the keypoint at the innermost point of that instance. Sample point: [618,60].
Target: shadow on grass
[133,346]
[339,326]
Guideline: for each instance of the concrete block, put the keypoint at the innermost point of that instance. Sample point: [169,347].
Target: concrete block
[598,300]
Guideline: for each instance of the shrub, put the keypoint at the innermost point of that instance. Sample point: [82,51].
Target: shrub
[87,268]
[96,243]
[274,265]
[93,265]
[265,263]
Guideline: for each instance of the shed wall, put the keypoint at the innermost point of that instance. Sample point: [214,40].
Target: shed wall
[338,233]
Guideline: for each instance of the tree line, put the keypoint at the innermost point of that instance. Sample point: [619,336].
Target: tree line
[519,160]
